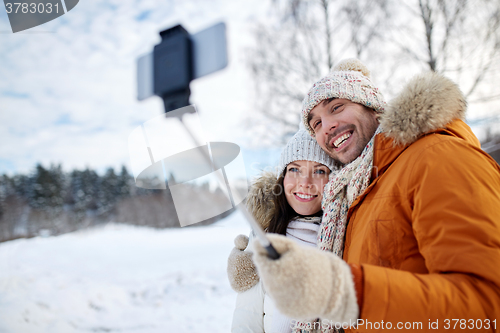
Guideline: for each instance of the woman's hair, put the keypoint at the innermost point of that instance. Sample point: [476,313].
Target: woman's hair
[283,212]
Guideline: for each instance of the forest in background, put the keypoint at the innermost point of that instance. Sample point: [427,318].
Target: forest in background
[49,201]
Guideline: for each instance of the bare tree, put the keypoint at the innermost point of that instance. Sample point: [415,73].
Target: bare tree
[459,38]
[301,40]
[299,45]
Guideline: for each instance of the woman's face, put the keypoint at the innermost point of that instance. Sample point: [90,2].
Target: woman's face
[303,185]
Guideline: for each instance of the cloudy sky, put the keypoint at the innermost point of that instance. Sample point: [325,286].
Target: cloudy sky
[68,87]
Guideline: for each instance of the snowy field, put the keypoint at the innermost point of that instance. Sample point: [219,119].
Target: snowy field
[120,278]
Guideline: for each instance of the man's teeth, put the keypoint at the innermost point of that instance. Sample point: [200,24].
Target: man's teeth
[341,140]
[304,196]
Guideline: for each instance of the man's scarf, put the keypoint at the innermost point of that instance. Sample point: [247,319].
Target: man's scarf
[342,189]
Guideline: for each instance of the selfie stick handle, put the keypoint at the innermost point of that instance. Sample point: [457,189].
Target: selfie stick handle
[261,235]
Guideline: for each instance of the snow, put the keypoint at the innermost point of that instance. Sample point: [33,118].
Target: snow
[120,278]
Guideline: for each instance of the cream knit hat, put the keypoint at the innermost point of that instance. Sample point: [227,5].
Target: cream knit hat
[349,79]
[302,147]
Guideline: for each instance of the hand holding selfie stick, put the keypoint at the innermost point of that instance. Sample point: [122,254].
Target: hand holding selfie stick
[261,235]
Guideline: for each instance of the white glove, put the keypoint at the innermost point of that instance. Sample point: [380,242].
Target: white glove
[241,270]
[307,282]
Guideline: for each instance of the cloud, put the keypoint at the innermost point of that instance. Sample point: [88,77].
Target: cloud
[68,90]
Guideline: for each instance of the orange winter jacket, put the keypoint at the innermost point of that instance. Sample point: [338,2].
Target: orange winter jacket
[426,232]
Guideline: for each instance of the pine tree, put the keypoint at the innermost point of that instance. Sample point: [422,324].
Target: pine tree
[108,191]
[124,183]
[84,189]
[4,183]
[47,187]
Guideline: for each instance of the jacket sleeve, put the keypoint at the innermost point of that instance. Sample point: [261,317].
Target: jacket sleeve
[454,192]
[248,316]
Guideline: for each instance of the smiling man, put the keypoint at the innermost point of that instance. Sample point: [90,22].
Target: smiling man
[410,236]
[343,127]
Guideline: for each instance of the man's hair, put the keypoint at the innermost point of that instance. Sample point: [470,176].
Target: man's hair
[328,100]
[324,102]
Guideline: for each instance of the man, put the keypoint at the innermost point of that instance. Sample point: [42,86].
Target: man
[414,213]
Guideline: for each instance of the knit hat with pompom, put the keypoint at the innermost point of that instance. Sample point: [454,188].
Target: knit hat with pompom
[349,79]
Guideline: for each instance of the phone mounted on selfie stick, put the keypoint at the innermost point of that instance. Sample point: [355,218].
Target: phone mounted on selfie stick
[167,73]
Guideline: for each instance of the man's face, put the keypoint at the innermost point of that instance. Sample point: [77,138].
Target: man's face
[343,128]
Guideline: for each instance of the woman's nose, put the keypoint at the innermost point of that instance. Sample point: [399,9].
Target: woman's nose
[305,182]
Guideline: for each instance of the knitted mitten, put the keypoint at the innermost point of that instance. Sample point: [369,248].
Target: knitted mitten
[306,282]
[240,267]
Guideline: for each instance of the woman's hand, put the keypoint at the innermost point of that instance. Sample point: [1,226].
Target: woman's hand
[241,270]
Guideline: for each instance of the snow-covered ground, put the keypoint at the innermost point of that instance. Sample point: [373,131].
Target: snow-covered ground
[120,278]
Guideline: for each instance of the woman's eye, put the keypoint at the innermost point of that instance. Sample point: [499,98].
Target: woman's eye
[293,170]
[321,172]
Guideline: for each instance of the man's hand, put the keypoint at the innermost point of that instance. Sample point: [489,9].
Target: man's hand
[307,283]
[241,270]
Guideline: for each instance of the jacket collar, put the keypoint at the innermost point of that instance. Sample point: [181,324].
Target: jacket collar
[386,151]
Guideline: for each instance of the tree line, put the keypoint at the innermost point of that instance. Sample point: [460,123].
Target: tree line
[49,201]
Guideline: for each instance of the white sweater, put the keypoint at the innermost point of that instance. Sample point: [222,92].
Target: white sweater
[255,311]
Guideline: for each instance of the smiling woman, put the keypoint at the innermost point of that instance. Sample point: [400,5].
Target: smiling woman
[289,205]
[303,186]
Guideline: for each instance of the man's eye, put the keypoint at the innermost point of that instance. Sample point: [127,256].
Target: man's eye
[336,107]
[316,124]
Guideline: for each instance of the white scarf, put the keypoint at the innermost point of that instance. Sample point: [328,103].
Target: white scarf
[304,230]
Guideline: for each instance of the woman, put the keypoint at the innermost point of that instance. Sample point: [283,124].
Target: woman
[290,205]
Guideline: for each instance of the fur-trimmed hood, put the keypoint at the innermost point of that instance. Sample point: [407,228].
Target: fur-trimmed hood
[427,103]
[260,198]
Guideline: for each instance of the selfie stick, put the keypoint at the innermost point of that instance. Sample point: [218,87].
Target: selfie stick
[261,235]
[167,72]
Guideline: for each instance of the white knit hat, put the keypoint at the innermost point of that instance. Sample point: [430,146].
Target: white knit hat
[302,147]
[349,79]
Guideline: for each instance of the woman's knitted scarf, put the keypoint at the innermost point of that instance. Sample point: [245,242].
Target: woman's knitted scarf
[342,189]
